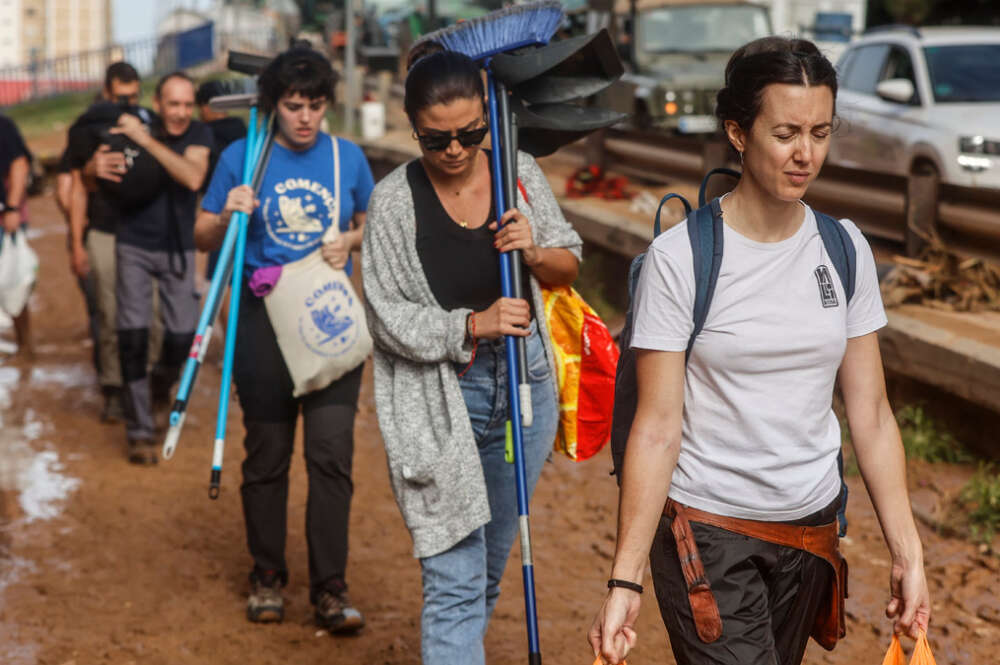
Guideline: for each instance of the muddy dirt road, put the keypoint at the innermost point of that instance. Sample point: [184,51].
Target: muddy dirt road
[103,562]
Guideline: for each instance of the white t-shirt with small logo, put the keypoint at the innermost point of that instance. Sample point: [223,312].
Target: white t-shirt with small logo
[760,439]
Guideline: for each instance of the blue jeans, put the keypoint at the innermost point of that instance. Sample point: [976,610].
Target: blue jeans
[461,585]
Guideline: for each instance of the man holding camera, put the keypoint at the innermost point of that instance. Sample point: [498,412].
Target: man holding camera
[155,240]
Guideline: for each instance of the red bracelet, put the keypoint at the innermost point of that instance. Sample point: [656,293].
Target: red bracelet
[470,322]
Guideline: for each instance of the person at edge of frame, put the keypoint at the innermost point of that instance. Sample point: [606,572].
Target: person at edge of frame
[15,171]
[155,241]
[93,216]
[745,432]
[287,222]
[438,319]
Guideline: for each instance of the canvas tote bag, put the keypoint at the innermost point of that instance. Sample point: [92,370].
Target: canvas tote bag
[316,314]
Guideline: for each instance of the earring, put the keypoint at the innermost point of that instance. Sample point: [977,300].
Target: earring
[741,157]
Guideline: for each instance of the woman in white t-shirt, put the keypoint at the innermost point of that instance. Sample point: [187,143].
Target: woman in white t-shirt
[741,443]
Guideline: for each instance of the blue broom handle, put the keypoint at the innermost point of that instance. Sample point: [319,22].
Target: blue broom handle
[241,219]
[527,565]
[210,310]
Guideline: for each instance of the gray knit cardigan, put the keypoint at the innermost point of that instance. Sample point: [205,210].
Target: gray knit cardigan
[433,460]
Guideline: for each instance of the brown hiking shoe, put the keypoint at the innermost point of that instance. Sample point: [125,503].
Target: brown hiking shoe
[335,613]
[142,452]
[265,603]
[113,411]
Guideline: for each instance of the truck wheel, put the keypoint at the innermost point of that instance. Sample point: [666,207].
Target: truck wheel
[921,207]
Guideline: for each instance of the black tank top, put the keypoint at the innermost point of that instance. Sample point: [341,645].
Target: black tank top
[461,264]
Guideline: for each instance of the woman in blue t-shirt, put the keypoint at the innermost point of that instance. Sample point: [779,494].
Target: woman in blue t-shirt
[296,204]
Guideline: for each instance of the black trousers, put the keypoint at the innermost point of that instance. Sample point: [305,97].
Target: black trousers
[269,414]
[768,595]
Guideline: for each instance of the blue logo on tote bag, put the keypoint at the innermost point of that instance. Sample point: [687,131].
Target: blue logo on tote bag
[327,327]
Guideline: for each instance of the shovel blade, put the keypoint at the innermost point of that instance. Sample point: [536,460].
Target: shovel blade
[562,71]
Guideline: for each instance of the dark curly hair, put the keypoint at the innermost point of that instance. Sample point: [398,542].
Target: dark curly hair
[298,70]
[758,64]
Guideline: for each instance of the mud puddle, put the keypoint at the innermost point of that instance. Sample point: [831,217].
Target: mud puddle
[33,485]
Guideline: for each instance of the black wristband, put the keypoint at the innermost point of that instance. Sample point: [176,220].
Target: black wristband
[624,584]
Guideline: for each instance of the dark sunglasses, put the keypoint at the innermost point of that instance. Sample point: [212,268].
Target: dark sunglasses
[439,141]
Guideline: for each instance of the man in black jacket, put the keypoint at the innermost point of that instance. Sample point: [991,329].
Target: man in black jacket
[94,216]
[156,241]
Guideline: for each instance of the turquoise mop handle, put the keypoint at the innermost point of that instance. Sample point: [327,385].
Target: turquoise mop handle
[241,220]
[210,310]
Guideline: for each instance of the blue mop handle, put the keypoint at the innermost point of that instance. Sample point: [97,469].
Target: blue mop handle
[241,220]
[506,284]
[210,310]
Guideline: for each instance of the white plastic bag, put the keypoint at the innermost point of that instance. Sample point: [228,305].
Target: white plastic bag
[18,271]
[316,315]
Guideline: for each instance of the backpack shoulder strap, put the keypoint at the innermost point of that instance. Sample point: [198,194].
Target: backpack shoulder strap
[841,249]
[687,210]
[705,233]
[722,170]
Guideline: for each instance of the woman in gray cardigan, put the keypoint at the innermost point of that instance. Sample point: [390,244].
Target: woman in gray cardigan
[430,254]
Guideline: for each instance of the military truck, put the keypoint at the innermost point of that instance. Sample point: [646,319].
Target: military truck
[677,51]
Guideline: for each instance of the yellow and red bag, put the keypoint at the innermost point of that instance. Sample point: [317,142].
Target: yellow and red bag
[586,358]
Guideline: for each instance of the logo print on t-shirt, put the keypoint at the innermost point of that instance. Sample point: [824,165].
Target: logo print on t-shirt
[827,294]
[298,214]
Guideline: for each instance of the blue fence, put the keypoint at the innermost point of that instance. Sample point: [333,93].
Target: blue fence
[194,46]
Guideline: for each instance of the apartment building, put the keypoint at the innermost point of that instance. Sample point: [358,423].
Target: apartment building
[52,28]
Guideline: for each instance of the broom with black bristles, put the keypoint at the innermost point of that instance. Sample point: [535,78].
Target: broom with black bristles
[499,32]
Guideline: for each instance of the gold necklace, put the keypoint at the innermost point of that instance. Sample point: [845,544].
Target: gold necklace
[461,222]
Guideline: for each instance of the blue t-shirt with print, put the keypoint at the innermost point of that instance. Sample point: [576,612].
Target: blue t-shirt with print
[297,201]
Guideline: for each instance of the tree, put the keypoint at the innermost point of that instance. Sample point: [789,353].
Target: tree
[911,12]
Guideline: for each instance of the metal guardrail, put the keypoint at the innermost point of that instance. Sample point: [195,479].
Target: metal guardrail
[84,71]
[966,219]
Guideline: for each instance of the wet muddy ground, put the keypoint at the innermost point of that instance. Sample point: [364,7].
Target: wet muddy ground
[103,562]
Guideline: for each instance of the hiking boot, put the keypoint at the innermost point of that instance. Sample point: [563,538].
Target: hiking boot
[265,603]
[142,452]
[114,410]
[335,613]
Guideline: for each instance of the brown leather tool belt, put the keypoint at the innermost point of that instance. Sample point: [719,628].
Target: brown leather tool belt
[821,541]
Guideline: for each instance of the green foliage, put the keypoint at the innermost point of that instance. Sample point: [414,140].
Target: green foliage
[922,438]
[595,285]
[982,496]
[847,448]
[45,115]
[851,467]
[912,12]
[57,113]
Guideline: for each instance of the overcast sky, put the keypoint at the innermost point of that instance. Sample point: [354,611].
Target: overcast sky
[136,19]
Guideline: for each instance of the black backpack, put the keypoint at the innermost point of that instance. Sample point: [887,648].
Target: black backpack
[144,178]
[705,233]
